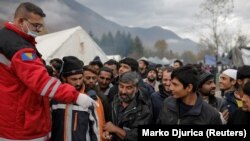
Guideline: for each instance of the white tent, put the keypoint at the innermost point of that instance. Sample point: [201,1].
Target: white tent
[70,42]
[115,57]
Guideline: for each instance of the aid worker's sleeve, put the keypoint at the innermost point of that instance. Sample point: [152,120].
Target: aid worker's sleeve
[30,69]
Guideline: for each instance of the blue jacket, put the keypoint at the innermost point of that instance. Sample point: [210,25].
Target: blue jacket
[157,99]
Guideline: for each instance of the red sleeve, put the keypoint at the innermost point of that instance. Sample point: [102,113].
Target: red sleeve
[30,69]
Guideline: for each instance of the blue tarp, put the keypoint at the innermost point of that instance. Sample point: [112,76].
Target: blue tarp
[210,60]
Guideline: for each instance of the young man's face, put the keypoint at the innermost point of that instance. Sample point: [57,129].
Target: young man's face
[176,65]
[177,89]
[159,74]
[142,65]
[89,79]
[113,67]
[208,88]
[104,79]
[75,80]
[166,80]
[151,76]
[246,103]
[124,68]
[225,82]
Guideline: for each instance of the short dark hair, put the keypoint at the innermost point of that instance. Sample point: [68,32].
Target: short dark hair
[179,61]
[107,70]
[186,75]
[90,68]
[130,62]
[246,88]
[243,72]
[158,65]
[28,7]
[167,69]
[113,62]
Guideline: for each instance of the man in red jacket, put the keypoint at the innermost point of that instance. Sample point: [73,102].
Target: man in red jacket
[25,85]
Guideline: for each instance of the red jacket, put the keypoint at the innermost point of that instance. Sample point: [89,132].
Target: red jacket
[25,88]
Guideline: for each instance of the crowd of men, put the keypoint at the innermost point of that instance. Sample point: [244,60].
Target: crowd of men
[102,101]
[133,93]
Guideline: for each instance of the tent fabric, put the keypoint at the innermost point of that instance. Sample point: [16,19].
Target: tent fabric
[240,56]
[71,42]
[245,56]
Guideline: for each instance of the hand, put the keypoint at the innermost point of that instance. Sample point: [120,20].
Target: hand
[110,127]
[224,116]
[85,101]
[106,135]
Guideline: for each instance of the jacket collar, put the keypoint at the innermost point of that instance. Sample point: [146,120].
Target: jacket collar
[163,92]
[27,37]
[173,104]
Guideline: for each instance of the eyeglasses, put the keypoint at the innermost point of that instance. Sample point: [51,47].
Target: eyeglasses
[38,26]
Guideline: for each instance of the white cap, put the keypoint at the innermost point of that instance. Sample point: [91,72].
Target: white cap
[232,73]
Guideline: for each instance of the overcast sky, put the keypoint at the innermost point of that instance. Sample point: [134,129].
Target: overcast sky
[176,15]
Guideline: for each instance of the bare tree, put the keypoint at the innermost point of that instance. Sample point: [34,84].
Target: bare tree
[212,20]
[215,13]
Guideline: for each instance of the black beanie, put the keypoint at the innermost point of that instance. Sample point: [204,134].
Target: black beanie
[205,76]
[96,61]
[71,65]
[131,62]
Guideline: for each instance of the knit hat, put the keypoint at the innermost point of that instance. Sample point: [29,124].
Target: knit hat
[96,61]
[204,76]
[71,65]
[131,62]
[232,73]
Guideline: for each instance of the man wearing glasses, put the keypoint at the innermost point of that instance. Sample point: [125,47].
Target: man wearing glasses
[25,85]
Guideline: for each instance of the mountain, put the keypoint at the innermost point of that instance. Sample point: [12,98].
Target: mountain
[63,14]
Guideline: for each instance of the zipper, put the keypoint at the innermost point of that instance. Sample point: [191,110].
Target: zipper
[134,108]
[178,121]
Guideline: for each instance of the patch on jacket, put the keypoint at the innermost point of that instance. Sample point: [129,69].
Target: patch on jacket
[28,56]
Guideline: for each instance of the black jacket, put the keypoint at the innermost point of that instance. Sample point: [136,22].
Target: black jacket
[200,114]
[137,113]
[157,99]
[231,101]
[239,117]
[72,122]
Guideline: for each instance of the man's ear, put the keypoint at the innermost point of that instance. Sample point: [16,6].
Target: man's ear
[239,81]
[189,88]
[19,21]
[233,82]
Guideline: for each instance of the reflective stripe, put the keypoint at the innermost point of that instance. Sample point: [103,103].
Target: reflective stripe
[68,122]
[45,89]
[63,106]
[52,93]
[94,117]
[45,138]
[4,60]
